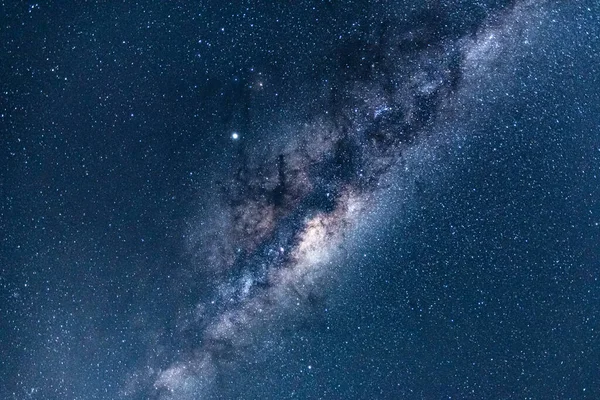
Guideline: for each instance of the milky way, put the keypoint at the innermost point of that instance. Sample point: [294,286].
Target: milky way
[313,199]
[269,235]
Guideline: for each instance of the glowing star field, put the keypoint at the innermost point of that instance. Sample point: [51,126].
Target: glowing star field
[321,200]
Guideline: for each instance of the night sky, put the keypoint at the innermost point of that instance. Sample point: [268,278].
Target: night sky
[300,200]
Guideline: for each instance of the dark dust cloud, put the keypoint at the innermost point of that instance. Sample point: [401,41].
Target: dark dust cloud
[313,200]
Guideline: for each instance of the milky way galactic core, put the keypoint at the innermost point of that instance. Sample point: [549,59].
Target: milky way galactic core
[268,241]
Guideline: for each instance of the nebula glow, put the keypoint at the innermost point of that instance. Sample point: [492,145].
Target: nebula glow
[272,238]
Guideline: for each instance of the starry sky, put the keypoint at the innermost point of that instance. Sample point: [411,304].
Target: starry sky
[300,200]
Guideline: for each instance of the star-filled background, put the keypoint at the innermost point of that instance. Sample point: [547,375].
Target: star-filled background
[300,200]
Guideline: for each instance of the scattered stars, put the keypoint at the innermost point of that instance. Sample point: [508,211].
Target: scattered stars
[342,247]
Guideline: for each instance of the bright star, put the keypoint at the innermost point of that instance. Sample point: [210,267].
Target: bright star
[235,136]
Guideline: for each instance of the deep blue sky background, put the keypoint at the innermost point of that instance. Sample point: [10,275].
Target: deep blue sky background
[114,116]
